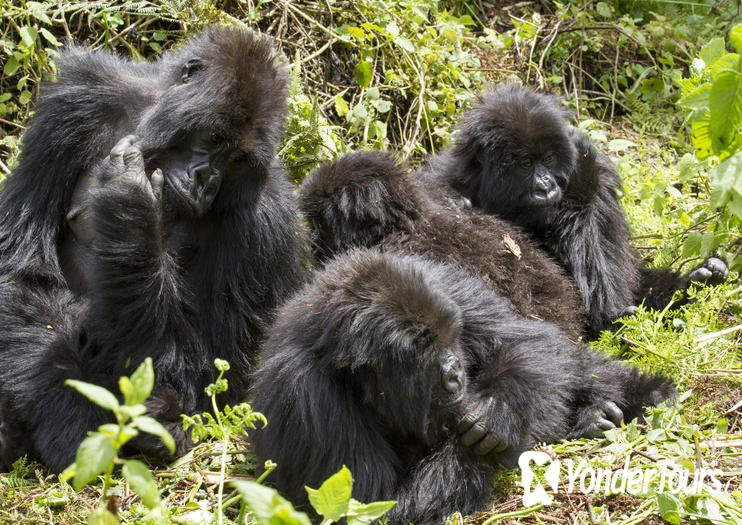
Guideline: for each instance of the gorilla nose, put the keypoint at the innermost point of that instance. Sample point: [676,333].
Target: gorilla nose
[452,376]
[546,191]
[206,182]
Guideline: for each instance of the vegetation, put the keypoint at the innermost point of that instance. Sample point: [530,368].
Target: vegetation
[657,84]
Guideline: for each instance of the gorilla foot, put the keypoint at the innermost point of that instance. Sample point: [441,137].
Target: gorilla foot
[712,271]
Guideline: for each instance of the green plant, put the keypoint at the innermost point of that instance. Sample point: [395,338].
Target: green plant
[713,94]
[332,501]
[99,452]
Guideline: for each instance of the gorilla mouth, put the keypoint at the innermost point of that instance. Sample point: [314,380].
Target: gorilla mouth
[542,199]
[196,194]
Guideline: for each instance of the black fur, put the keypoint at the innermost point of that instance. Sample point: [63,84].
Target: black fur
[571,205]
[366,199]
[101,267]
[351,372]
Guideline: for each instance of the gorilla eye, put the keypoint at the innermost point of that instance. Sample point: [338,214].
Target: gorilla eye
[527,163]
[215,139]
[548,157]
[190,68]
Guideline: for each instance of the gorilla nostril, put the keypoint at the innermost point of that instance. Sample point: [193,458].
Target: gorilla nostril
[452,380]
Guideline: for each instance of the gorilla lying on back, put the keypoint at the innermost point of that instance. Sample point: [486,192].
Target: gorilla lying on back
[147,217]
[420,379]
[366,199]
[515,157]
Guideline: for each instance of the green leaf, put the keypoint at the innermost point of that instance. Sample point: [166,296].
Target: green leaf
[142,381]
[603,10]
[620,145]
[726,177]
[701,134]
[341,107]
[141,481]
[363,514]
[656,435]
[697,99]
[668,505]
[102,516]
[712,51]
[152,426]
[28,35]
[97,394]
[363,73]
[692,245]
[730,61]
[358,33]
[404,44]
[735,37]
[735,205]
[332,499]
[11,66]
[94,456]
[25,97]
[50,37]
[725,107]
[268,506]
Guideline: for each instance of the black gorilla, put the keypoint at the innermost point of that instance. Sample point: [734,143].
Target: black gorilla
[420,379]
[103,265]
[514,156]
[365,199]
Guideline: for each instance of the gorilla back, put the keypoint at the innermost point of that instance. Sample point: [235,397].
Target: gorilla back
[147,217]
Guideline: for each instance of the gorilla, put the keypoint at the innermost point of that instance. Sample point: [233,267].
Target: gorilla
[147,217]
[421,380]
[515,157]
[366,199]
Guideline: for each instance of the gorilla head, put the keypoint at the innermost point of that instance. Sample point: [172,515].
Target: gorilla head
[516,153]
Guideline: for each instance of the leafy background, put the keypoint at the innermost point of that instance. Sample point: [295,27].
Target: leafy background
[656,84]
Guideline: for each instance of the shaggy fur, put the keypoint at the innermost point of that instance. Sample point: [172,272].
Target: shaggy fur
[366,199]
[350,371]
[501,142]
[155,280]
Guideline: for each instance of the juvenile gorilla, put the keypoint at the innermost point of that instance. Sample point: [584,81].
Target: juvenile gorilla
[515,157]
[147,217]
[420,379]
[365,199]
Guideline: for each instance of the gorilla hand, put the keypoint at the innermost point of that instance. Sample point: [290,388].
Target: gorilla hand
[594,419]
[125,165]
[477,428]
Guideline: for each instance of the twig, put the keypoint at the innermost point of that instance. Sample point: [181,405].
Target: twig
[714,335]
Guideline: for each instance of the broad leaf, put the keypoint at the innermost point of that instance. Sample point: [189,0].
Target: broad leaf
[141,481]
[725,105]
[152,426]
[97,394]
[268,506]
[94,455]
[363,73]
[142,381]
[735,37]
[332,499]
[363,514]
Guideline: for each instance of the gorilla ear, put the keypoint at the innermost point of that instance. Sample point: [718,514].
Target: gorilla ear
[190,68]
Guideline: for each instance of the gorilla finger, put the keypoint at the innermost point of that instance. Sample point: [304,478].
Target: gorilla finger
[604,424]
[719,269]
[700,275]
[466,423]
[473,435]
[158,181]
[613,413]
[490,443]
[629,310]
[123,144]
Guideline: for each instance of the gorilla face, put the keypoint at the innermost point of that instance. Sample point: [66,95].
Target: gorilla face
[193,170]
[518,154]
